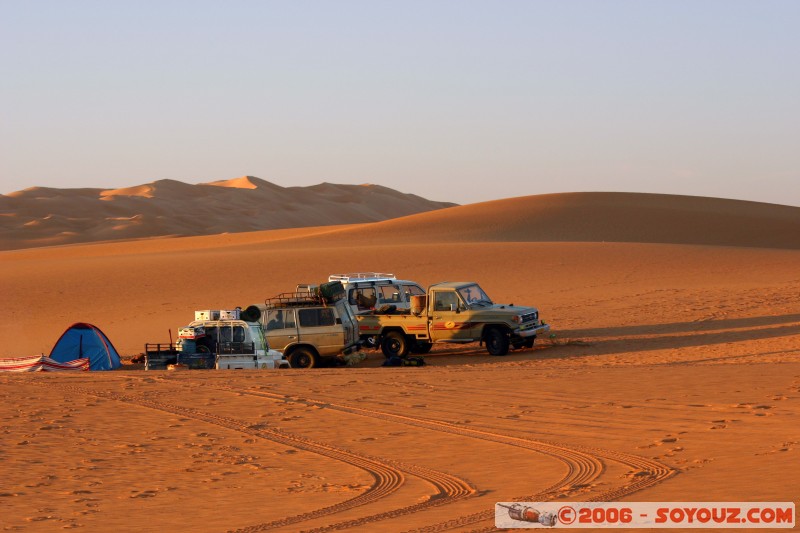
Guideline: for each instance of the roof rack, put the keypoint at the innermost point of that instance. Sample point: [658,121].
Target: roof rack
[356,276]
[293,299]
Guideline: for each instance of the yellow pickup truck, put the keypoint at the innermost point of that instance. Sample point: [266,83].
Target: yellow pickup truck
[451,312]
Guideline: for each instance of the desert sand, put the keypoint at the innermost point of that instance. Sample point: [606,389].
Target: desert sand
[673,375]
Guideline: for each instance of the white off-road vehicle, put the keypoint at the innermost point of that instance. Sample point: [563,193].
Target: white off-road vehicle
[372,290]
[221,340]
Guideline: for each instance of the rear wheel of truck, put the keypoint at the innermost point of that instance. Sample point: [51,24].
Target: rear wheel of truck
[395,344]
[421,347]
[497,341]
[302,358]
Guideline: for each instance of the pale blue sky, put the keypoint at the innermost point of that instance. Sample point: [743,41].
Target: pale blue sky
[453,100]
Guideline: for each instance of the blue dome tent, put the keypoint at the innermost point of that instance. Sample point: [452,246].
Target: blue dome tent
[85,340]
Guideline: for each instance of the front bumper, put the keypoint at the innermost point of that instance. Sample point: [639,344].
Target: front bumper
[532,332]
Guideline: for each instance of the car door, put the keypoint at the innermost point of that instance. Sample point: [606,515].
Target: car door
[448,321]
[349,323]
[281,328]
[319,327]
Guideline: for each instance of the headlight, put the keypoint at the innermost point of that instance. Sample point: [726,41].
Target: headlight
[516,319]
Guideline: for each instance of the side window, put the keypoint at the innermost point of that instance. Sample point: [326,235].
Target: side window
[231,333]
[443,300]
[313,318]
[412,290]
[389,294]
[363,297]
[280,319]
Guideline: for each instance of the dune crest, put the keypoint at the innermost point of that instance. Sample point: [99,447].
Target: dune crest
[597,217]
[245,182]
[144,191]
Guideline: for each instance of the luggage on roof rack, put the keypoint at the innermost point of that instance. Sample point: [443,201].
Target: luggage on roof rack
[324,294]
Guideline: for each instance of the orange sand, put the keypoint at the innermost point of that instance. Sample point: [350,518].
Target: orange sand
[674,375]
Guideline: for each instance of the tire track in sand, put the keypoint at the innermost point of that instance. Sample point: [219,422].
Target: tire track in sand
[584,463]
[387,475]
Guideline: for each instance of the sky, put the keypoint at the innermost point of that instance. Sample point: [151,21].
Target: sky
[453,100]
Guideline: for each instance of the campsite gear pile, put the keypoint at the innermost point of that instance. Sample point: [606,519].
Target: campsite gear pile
[404,361]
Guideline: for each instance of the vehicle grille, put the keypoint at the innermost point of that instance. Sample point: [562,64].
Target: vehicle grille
[528,317]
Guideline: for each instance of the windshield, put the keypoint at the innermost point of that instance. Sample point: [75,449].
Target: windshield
[474,295]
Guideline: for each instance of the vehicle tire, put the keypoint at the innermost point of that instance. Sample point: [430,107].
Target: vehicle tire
[204,345]
[395,344]
[421,347]
[497,341]
[302,358]
[525,343]
[529,342]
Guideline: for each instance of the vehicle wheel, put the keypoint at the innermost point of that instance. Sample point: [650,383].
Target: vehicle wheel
[204,345]
[421,347]
[497,341]
[394,344]
[302,358]
[526,343]
[529,342]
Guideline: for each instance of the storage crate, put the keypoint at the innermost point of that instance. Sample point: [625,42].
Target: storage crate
[232,314]
[207,314]
[332,290]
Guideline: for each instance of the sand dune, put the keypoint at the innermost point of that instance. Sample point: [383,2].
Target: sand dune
[44,216]
[674,374]
[596,217]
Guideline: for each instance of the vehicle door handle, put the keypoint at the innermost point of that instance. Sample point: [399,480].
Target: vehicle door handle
[437,318]
[291,337]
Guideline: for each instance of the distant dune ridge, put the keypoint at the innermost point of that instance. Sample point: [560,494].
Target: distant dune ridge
[598,217]
[46,216]
[40,217]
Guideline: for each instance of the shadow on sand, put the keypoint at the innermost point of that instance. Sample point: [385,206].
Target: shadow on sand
[607,341]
